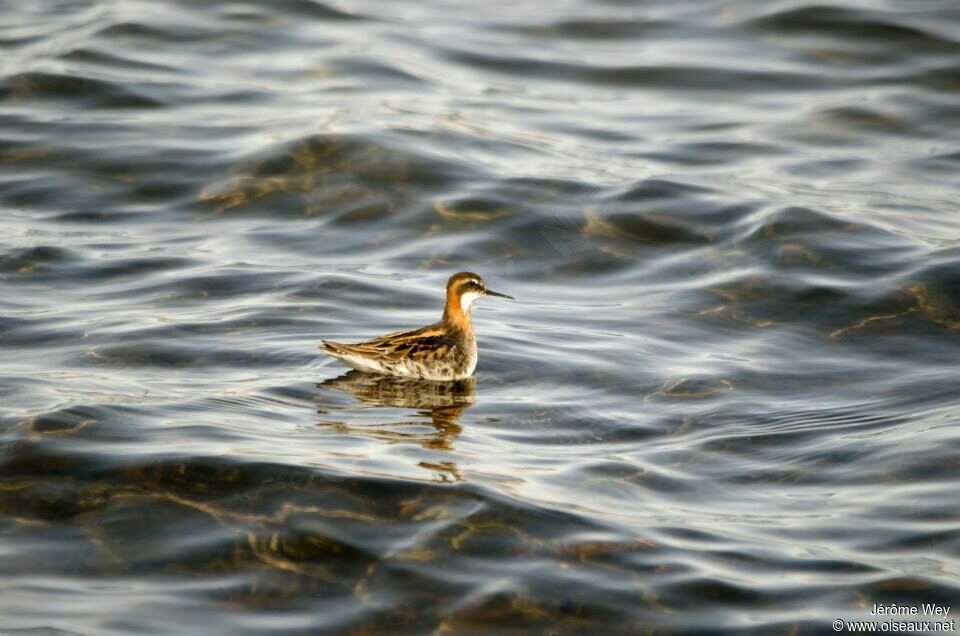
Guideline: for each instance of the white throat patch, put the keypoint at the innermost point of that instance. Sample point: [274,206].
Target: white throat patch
[467,299]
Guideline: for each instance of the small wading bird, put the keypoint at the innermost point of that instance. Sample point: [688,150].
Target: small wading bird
[445,350]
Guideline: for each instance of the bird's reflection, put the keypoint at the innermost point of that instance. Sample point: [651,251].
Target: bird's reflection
[442,402]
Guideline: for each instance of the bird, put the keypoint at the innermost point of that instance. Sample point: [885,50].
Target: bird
[444,351]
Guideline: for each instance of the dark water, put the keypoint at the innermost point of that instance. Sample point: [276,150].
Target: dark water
[726,400]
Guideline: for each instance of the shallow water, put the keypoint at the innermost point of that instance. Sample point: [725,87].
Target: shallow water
[725,400]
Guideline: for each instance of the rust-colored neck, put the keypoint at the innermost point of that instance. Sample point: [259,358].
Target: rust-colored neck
[453,314]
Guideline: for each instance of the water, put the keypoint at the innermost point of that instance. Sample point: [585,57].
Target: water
[725,400]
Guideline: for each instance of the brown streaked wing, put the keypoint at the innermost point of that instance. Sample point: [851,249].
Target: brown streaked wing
[424,343]
[407,334]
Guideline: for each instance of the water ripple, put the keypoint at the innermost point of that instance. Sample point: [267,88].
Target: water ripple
[723,402]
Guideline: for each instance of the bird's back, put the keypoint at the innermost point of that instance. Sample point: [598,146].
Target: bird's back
[434,352]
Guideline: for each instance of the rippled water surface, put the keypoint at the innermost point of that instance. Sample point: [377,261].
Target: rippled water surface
[724,401]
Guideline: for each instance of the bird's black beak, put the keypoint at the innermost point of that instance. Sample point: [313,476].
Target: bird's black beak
[489,292]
